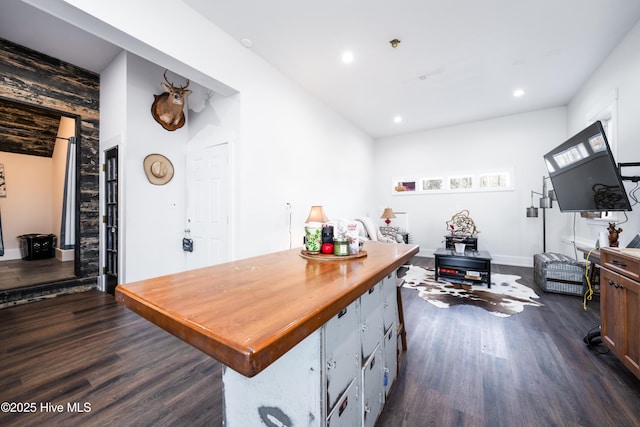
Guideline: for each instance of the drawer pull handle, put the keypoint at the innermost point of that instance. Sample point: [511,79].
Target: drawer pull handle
[342,312]
[614,284]
[619,263]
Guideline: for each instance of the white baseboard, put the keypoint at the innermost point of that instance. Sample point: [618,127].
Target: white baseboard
[65,254]
[11,254]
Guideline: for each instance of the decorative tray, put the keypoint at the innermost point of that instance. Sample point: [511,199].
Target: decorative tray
[332,257]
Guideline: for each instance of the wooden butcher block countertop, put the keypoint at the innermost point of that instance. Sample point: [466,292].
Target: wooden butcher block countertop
[248,313]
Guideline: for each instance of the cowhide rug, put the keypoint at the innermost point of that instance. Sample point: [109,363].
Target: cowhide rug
[506,296]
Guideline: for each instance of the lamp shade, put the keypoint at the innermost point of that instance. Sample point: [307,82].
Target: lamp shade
[546,202]
[532,212]
[387,214]
[317,215]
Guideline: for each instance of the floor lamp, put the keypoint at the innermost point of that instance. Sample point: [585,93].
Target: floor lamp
[546,202]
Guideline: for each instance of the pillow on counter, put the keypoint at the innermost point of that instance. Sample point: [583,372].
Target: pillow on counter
[341,224]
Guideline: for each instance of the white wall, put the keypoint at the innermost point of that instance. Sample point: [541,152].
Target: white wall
[516,142]
[618,73]
[285,145]
[27,207]
[286,141]
[113,119]
[293,149]
[519,141]
[154,219]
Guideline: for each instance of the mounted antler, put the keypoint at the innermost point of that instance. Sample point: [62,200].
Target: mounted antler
[171,83]
[167,108]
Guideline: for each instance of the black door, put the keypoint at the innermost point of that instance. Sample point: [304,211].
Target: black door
[110,219]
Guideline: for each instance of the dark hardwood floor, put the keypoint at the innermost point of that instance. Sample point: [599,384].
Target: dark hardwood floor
[466,367]
[463,367]
[21,273]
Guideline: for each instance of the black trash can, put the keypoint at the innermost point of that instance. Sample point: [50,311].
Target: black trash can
[37,246]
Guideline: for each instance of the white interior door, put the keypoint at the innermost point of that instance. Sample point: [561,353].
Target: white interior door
[208,205]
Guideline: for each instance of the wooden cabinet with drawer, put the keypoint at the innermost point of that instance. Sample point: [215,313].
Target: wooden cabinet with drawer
[620,306]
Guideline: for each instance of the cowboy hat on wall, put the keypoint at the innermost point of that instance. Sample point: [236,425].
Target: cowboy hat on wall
[158,168]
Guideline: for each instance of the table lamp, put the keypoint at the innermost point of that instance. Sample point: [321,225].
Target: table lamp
[313,229]
[387,215]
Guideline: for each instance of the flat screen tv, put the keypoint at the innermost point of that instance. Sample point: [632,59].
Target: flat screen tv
[584,174]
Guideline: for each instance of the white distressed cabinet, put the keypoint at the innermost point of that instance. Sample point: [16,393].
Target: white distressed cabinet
[342,354]
[340,375]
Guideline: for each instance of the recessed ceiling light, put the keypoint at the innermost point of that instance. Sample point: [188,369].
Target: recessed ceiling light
[397,119]
[518,93]
[246,42]
[347,57]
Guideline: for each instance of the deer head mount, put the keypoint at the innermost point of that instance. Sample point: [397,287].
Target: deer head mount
[167,108]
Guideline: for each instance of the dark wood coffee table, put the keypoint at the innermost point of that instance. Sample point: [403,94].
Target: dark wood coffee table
[468,268]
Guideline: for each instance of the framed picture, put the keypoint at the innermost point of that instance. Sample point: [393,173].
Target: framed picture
[495,180]
[3,185]
[461,182]
[403,186]
[432,184]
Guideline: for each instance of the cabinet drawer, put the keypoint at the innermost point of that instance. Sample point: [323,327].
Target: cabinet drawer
[390,309]
[346,412]
[621,263]
[342,346]
[372,388]
[371,300]
[463,263]
[371,316]
[372,332]
[389,300]
[390,359]
[389,285]
[610,307]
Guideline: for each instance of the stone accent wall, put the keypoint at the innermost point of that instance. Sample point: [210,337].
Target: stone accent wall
[31,77]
